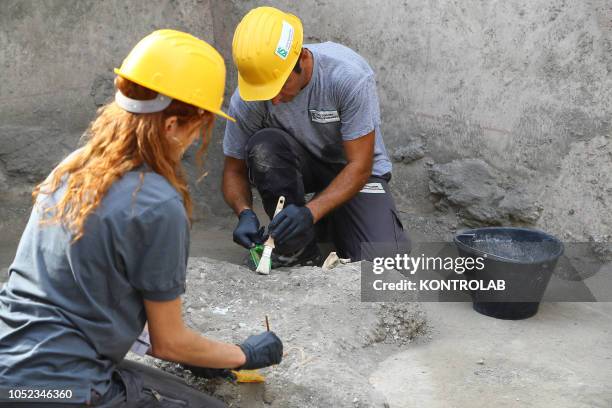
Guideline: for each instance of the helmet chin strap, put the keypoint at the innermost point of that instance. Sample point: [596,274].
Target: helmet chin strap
[158,104]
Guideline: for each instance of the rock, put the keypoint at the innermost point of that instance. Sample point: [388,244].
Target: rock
[518,208]
[409,153]
[399,323]
[475,189]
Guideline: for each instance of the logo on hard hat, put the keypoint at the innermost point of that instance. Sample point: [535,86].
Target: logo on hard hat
[284,42]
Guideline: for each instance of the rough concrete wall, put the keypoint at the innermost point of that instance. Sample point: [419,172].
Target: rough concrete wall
[520,89]
[57,60]
[524,86]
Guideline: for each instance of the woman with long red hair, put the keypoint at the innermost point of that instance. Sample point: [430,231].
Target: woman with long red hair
[105,250]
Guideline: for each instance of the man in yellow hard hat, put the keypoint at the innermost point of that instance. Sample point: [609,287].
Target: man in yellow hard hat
[308,121]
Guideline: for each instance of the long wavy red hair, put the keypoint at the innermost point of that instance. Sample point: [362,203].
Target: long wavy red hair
[117,142]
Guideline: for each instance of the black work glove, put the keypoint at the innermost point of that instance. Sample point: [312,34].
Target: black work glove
[262,350]
[290,222]
[248,233]
[204,372]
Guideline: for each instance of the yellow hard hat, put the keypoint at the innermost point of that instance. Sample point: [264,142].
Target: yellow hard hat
[180,66]
[266,46]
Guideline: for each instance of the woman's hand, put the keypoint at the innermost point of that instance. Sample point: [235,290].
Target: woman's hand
[262,350]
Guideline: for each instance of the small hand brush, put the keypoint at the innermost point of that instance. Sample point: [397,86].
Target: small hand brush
[250,376]
[265,262]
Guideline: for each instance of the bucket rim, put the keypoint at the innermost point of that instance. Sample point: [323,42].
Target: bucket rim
[555,255]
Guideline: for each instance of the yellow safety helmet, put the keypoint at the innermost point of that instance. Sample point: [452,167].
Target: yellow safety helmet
[266,46]
[179,66]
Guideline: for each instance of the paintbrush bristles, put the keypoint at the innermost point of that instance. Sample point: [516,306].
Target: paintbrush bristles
[264,263]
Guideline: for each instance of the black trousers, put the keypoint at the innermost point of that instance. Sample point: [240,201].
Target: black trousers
[136,385]
[279,165]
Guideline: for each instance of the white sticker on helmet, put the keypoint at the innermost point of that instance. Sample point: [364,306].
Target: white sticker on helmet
[284,42]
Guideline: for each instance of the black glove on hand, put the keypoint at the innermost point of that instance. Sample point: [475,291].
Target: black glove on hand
[290,222]
[248,233]
[203,372]
[262,350]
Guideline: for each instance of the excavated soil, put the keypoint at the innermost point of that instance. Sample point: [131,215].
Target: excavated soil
[332,341]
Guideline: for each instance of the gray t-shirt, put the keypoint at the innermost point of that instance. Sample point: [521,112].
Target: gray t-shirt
[70,312]
[338,104]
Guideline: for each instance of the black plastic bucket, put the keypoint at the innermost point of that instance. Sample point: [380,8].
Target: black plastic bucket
[523,258]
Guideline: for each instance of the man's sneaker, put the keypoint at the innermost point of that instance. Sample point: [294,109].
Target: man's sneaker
[307,256]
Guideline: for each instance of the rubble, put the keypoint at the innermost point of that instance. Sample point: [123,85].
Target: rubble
[409,153]
[332,341]
[481,195]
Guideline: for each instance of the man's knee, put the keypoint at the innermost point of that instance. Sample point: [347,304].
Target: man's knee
[268,146]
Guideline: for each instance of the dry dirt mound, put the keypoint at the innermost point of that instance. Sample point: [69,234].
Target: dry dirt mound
[332,340]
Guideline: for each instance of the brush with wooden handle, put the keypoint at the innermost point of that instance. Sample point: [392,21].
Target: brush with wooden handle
[265,262]
[251,376]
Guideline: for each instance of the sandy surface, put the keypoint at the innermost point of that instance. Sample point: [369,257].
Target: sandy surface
[333,342]
[342,352]
[562,357]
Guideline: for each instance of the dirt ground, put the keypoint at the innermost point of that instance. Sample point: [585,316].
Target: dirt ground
[341,352]
[332,341]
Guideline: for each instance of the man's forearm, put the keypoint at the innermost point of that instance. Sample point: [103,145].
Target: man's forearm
[344,187]
[237,191]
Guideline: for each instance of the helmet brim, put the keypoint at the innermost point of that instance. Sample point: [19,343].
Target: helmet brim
[221,113]
[260,92]
[207,108]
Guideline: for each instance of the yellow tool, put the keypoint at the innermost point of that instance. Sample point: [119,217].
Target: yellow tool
[251,376]
[248,376]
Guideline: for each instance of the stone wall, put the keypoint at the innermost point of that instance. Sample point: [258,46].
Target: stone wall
[506,100]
